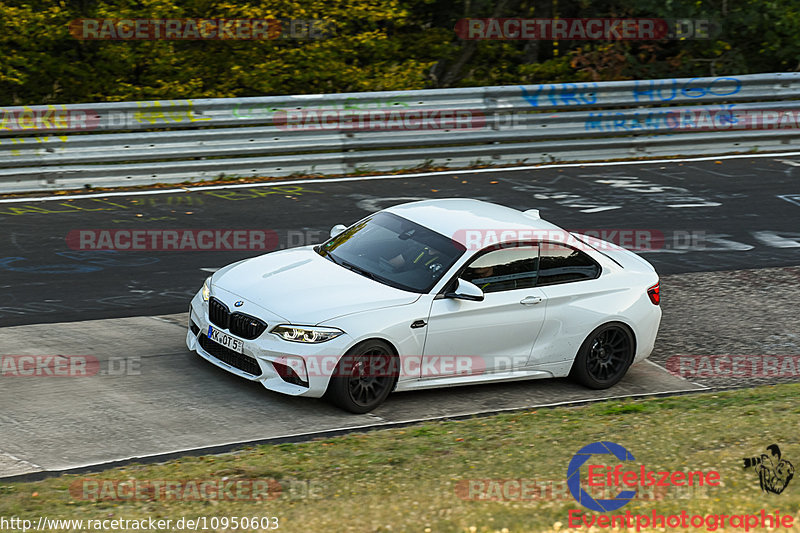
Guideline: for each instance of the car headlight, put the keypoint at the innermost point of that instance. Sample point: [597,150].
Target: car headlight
[306,334]
[207,289]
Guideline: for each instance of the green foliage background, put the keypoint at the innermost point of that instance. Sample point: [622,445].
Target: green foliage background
[378,45]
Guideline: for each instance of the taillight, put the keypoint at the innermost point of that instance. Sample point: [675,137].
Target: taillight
[654,293]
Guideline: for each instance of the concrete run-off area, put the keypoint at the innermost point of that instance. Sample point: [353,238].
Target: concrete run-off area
[142,395]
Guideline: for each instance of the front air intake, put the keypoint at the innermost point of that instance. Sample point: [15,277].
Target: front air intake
[245,363]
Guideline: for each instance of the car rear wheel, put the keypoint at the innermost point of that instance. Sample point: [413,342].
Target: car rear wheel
[604,357]
[364,377]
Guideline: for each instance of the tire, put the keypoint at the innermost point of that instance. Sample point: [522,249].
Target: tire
[604,357]
[364,377]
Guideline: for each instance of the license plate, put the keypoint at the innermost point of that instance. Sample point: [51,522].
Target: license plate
[226,340]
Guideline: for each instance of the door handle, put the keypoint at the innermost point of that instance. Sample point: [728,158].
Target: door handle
[530,300]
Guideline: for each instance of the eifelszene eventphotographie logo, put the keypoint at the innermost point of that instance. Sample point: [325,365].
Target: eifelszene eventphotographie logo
[574,476]
[623,476]
[601,472]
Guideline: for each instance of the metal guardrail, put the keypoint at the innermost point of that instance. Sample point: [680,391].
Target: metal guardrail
[139,143]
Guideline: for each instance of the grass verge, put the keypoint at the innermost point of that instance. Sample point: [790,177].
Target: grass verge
[434,476]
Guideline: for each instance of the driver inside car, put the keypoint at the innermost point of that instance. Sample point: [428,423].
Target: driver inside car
[477,275]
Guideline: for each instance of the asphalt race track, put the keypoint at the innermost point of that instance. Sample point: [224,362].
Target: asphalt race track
[713,216]
[705,223]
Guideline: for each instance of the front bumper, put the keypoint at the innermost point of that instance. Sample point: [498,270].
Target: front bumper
[315,363]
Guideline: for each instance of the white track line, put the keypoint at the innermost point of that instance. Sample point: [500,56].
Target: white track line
[701,387]
[21,461]
[382,177]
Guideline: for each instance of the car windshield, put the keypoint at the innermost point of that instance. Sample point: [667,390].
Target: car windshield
[394,251]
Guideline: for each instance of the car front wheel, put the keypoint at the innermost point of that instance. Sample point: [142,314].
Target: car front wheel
[364,377]
[604,357]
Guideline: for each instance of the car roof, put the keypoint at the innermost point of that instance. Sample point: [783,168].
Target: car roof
[453,217]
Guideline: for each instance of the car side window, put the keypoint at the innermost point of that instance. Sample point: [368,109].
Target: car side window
[562,264]
[504,269]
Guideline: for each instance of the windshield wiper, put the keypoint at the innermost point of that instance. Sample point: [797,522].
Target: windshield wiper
[370,275]
[365,273]
[358,270]
[348,266]
[329,256]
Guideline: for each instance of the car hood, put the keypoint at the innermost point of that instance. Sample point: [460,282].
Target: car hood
[303,287]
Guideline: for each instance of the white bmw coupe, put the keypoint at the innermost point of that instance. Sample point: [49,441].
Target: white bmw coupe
[429,294]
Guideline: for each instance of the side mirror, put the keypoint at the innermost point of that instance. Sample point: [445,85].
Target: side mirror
[466,291]
[337,229]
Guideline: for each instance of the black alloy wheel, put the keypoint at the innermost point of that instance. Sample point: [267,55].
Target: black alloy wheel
[604,357]
[364,377]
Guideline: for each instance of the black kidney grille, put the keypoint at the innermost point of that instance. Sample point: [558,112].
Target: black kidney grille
[246,326]
[218,313]
[244,363]
[240,324]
